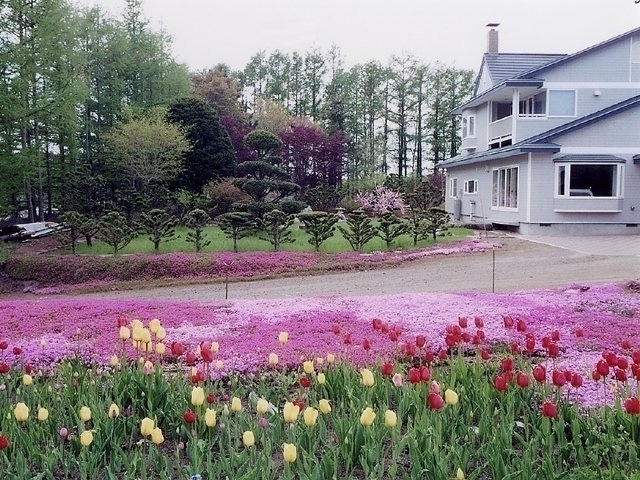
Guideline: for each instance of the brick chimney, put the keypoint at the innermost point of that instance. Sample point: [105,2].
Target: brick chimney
[492,39]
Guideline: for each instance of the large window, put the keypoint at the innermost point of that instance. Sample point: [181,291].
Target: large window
[469,126]
[453,187]
[505,188]
[562,103]
[602,180]
[533,106]
[500,110]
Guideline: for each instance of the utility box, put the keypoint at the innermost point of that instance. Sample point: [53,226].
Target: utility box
[457,209]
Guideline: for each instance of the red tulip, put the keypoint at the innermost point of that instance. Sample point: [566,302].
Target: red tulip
[480,334]
[545,342]
[206,354]
[420,341]
[429,356]
[462,321]
[28,368]
[558,378]
[121,322]
[611,358]
[305,382]
[190,359]
[17,350]
[508,321]
[602,367]
[347,339]
[393,336]
[450,340]
[521,325]
[384,327]
[211,398]
[514,347]
[549,410]
[376,323]
[414,375]
[435,401]
[539,373]
[632,405]
[621,375]
[189,416]
[476,340]
[625,344]
[442,354]
[366,344]
[500,383]
[596,376]
[479,323]
[567,375]
[4,368]
[335,328]
[425,373]
[386,369]
[299,403]
[522,379]
[507,364]
[4,442]
[466,338]
[484,354]
[623,363]
[553,350]
[4,345]
[177,349]
[197,377]
[410,349]
[555,336]
[635,370]
[635,356]
[530,344]
[579,332]
[576,380]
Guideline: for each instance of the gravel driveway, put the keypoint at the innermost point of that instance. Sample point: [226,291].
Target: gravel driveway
[519,264]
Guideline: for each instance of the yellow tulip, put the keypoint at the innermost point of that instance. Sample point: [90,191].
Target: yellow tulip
[331,358]
[273,359]
[321,378]
[136,324]
[160,348]
[86,438]
[148,368]
[289,452]
[43,414]
[125,333]
[459,474]
[262,406]
[154,325]
[161,334]
[114,411]
[85,414]
[236,404]
[290,412]
[310,416]
[114,361]
[308,367]
[325,406]
[21,412]
[367,377]
[283,337]
[248,439]
[156,436]
[197,396]
[145,335]
[215,346]
[27,379]
[367,417]
[210,417]
[319,360]
[146,426]
[450,397]
[390,419]
[136,334]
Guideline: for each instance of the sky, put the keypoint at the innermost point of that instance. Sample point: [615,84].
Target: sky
[454,32]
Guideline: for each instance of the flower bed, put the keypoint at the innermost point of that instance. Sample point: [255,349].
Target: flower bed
[467,385]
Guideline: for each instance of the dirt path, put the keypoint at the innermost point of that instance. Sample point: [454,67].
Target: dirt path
[519,265]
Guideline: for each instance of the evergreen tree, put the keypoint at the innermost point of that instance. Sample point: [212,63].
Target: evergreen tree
[319,225]
[115,231]
[274,226]
[159,225]
[197,220]
[391,227]
[361,230]
[236,225]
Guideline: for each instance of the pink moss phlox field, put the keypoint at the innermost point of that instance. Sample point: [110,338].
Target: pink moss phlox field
[69,271]
[247,330]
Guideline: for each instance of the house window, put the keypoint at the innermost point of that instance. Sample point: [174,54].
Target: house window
[500,110]
[635,50]
[562,103]
[469,126]
[471,186]
[603,180]
[453,188]
[533,106]
[505,188]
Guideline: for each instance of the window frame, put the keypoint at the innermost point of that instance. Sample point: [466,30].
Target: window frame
[549,103]
[500,200]
[473,191]
[562,189]
[468,126]
[529,103]
[453,187]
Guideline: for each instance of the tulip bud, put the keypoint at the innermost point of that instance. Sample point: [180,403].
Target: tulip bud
[367,417]
[148,368]
[398,380]
[154,325]
[331,358]
[156,436]
[390,418]
[289,452]
[85,414]
[262,407]
[146,426]
[290,412]
[367,377]
[160,348]
[210,418]
[321,378]
[248,439]
[114,361]
[27,379]
[310,416]
[197,396]
[459,474]
[125,333]
[325,406]
[114,411]
[86,438]
[308,366]
[43,414]
[450,397]
[236,404]
[273,359]
[283,337]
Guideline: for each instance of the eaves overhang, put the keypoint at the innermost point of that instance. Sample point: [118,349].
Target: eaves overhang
[487,95]
[499,153]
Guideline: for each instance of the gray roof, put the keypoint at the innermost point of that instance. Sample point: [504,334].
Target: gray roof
[542,141]
[587,157]
[507,65]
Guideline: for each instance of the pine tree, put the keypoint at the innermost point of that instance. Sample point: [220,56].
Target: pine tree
[361,230]
[319,225]
[159,225]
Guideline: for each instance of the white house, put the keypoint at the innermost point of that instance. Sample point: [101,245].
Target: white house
[551,143]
